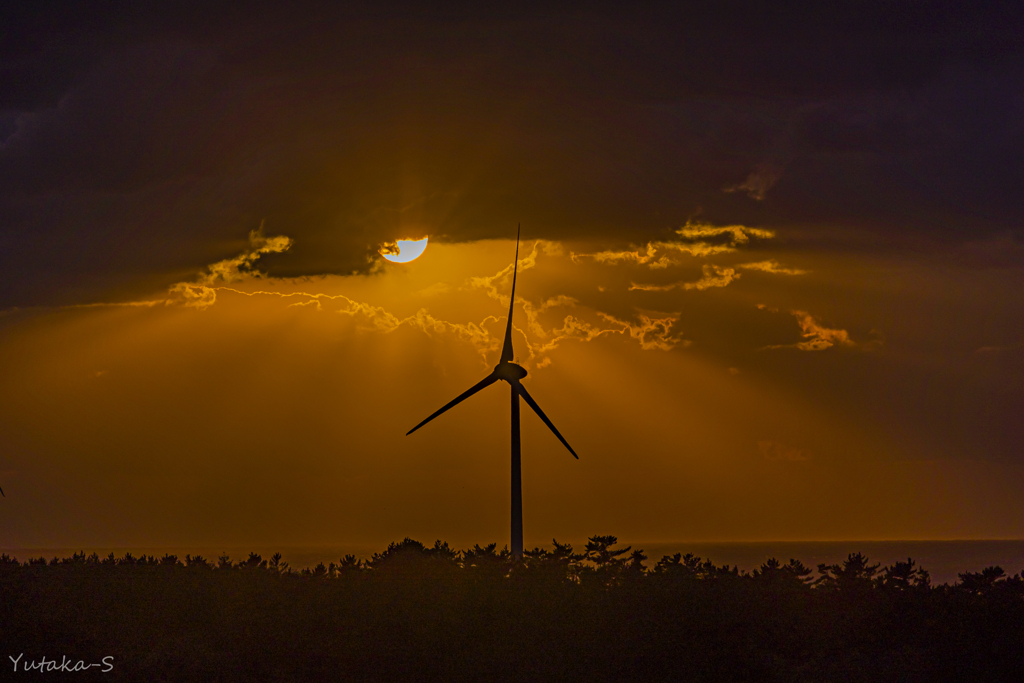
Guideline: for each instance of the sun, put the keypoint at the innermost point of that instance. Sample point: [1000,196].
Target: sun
[403,251]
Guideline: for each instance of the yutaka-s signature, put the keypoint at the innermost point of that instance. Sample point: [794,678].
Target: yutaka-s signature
[65,664]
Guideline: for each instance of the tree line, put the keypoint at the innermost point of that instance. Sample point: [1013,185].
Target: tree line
[419,612]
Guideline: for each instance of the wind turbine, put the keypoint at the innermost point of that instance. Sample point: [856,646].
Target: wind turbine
[508,371]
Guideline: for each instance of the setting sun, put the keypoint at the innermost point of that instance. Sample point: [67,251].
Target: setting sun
[403,251]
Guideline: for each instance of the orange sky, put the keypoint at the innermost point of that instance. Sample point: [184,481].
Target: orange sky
[274,412]
[771,286]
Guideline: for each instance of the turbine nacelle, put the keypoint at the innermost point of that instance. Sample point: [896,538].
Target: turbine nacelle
[510,372]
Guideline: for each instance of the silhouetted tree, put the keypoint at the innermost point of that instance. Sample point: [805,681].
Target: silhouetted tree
[78,558]
[983,582]
[904,576]
[599,551]
[680,566]
[854,574]
[414,562]
[442,551]
[774,573]
[486,563]
[319,571]
[254,562]
[608,564]
[557,566]
[350,565]
[635,565]
[277,565]
[398,554]
[197,561]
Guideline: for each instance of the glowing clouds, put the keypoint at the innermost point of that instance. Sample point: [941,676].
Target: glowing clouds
[201,293]
[403,251]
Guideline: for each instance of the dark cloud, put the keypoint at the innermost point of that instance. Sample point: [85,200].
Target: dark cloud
[140,144]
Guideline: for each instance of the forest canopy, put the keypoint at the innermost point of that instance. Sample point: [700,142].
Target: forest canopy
[421,612]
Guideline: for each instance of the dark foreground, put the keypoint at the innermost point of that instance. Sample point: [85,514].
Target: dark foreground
[433,614]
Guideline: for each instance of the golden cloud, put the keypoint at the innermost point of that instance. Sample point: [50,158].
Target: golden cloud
[694,241]
[504,276]
[533,312]
[739,234]
[652,333]
[714,276]
[201,293]
[650,257]
[372,318]
[772,266]
[818,336]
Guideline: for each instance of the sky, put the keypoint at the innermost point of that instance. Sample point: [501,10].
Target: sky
[770,286]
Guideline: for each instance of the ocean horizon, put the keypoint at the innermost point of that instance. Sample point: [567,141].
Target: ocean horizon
[944,560]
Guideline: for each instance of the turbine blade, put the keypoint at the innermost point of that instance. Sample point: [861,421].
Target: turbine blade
[485,382]
[536,408]
[506,349]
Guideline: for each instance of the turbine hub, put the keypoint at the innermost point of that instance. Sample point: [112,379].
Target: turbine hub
[510,372]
